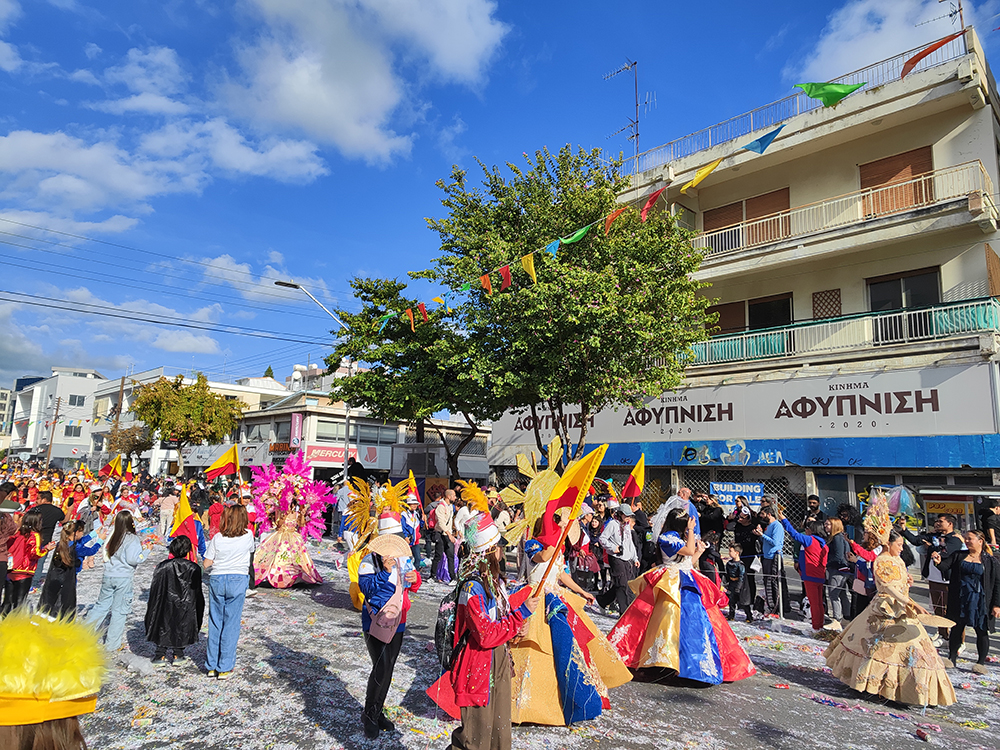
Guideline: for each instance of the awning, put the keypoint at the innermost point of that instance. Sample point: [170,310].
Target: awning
[958,490]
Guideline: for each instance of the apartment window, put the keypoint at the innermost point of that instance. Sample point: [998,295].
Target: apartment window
[918,288]
[992,271]
[77,400]
[769,312]
[732,316]
[372,434]
[72,431]
[759,210]
[256,433]
[282,431]
[895,182]
[684,217]
[331,431]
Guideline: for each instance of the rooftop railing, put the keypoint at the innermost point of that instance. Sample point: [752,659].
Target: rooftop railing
[939,186]
[775,113]
[852,332]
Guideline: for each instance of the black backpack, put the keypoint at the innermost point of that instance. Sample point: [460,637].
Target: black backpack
[444,630]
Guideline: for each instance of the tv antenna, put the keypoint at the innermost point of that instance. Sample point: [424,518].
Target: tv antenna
[633,124]
[956,10]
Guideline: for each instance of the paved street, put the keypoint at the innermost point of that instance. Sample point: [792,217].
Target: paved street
[302,667]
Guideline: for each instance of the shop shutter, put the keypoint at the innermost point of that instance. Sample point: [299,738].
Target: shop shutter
[723,216]
[772,228]
[901,168]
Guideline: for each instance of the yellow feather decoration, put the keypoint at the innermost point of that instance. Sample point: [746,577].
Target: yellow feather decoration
[474,496]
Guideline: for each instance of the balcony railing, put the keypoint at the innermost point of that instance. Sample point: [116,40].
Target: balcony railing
[775,113]
[939,186]
[853,332]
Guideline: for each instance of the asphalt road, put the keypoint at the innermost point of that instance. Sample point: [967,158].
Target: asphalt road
[302,668]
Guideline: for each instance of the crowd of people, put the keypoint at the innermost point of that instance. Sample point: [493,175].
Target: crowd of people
[673,578]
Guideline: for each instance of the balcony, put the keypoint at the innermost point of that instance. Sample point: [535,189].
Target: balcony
[967,182]
[865,331]
[773,114]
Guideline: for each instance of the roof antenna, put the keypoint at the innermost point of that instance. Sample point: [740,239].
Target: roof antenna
[633,124]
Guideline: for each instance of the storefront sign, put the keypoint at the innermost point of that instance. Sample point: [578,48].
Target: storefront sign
[296,436]
[370,456]
[939,507]
[279,448]
[727,492]
[918,402]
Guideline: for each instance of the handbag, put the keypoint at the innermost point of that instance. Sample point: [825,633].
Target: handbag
[858,587]
[756,566]
[385,622]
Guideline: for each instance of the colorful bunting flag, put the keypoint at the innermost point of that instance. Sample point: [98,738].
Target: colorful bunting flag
[910,64]
[385,320]
[829,93]
[760,145]
[553,247]
[423,310]
[227,463]
[611,219]
[485,281]
[651,202]
[578,235]
[505,277]
[466,286]
[409,314]
[700,175]
[528,264]
[636,480]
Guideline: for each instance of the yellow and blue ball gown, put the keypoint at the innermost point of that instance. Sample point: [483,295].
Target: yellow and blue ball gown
[564,654]
[676,622]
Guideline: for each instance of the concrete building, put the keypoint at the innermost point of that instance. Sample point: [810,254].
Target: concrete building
[162,458]
[6,410]
[55,410]
[856,271]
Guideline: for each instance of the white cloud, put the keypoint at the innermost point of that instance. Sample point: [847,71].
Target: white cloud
[327,67]
[9,11]
[185,341]
[447,138]
[154,71]
[144,103]
[91,50]
[862,32]
[275,257]
[259,285]
[10,58]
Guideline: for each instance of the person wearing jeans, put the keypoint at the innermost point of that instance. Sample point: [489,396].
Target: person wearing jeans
[772,537]
[124,552]
[838,569]
[227,559]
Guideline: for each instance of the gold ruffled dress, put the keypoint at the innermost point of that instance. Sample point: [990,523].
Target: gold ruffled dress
[886,651]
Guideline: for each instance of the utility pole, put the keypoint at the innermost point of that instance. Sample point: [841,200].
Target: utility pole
[347,424]
[121,395]
[52,433]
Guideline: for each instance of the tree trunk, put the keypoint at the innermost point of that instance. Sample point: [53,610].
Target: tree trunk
[180,459]
[542,450]
[582,442]
[420,431]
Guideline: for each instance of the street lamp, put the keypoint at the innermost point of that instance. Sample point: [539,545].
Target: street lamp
[347,407]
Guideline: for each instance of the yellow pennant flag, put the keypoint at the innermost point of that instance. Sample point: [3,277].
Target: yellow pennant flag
[528,263]
[575,482]
[701,174]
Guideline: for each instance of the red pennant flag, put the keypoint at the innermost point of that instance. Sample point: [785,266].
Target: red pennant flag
[505,275]
[485,281]
[611,219]
[423,310]
[409,314]
[650,203]
[910,64]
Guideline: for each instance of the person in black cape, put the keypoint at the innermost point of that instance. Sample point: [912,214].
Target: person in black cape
[176,604]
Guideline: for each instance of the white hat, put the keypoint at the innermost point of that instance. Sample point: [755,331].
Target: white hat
[483,532]
[389,523]
[586,510]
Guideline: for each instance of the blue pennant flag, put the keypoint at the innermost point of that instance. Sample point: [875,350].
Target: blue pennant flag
[761,144]
[553,247]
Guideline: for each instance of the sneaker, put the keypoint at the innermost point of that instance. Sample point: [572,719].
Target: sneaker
[251,592]
[225,675]
[180,660]
[937,641]
[979,669]
[961,649]
[212,673]
[160,660]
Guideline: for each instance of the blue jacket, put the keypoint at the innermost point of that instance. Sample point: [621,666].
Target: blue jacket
[773,539]
[84,547]
[373,580]
[812,556]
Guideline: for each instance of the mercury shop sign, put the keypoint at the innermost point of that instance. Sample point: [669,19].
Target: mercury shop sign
[929,401]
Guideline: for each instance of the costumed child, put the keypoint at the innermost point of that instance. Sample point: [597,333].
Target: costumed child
[675,620]
[176,604]
[562,653]
[386,577]
[291,504]
[737,587]
[412,524]
[59,592]
[50,674]
[24,550]
[886,651]
[476,688]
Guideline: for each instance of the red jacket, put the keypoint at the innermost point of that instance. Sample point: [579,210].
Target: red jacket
[24,552]
[470,674]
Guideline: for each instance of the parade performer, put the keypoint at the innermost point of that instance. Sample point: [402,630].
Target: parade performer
[675,620]
[176,604]
[50,674]
[291,504]
[476,688]
[886,650]
[386,577]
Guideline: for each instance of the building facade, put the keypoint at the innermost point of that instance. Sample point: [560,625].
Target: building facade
[856,274]
[52,416]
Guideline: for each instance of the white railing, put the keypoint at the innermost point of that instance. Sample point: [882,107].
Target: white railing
[775,113]
[865,331]
[928,189]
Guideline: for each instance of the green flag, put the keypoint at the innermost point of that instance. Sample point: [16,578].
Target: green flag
[576,236]
[829,93]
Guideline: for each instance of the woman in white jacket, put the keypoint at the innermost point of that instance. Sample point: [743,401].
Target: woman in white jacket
[124,553]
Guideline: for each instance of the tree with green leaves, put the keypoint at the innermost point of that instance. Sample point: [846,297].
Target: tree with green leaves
[410,375]
[132,441]
[269,373]
[613,314]
[185,414]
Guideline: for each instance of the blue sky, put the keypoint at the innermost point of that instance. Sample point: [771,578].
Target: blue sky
[192,152]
